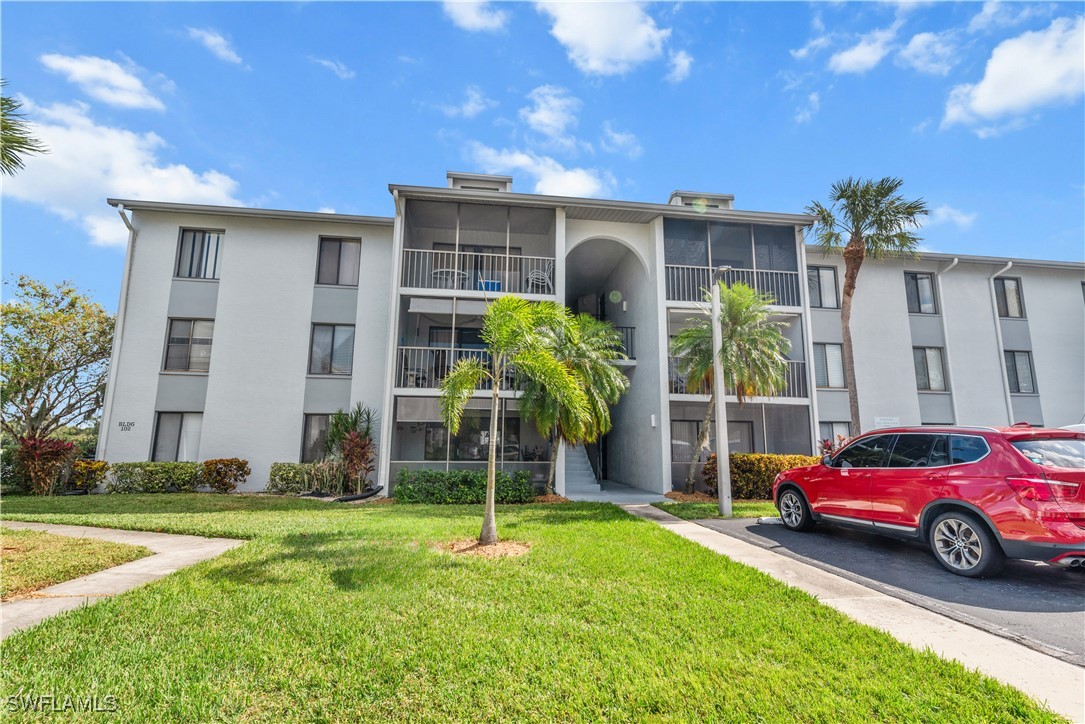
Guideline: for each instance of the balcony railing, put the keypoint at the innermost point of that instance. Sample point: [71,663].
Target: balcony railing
[629,341]
[794,382]
[425,367]
[688,283]
[468,270]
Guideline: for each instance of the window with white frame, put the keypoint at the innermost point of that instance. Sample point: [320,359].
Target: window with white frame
[1019,372]
[198,254]
[188,347]
[332,350]
[919,288]
[829,365]
[821,281]
[1008,298]
[177,436]
[832,430]
[929,372]
[339,261]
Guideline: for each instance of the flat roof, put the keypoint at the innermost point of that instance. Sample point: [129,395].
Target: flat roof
[142,205]
[817,250]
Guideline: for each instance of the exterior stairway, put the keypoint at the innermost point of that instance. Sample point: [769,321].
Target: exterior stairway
[579,477]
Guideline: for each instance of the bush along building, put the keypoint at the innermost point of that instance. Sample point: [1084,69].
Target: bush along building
[240,331]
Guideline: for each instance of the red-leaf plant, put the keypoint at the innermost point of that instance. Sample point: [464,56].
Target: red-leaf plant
[359,454]
[44,459]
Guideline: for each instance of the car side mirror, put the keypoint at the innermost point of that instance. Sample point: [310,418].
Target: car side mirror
[827,460]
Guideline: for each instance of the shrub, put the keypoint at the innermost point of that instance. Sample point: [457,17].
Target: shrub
[88,474]
[286,478]
[461,487]
[46,462]
[12,474]
[225,474]
[752,474]
[153,477]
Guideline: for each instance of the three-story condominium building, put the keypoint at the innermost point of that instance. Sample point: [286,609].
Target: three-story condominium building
[240,331]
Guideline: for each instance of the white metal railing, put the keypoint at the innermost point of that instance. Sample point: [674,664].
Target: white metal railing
[476,271]
[688,283]
[794,381]
[425,367]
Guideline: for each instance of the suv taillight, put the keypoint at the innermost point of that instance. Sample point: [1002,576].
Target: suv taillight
[1040,489]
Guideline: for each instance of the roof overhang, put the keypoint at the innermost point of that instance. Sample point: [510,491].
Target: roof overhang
[816,249]
[276,214]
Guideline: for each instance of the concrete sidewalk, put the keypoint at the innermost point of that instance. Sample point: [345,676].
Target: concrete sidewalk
[171,552]
[1058,684]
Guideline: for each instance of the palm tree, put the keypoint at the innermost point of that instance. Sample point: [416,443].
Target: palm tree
[588,347]
[876,220]
[15,138]
[514,331]
[752,354]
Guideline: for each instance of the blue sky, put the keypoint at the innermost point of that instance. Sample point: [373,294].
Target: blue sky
[978,106]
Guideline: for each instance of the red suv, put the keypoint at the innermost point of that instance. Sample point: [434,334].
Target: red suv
[976,495]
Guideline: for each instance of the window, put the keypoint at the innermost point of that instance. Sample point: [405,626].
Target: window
[919,288]
[188,348]
[829,365]
[332,352]
[1008,297]
[1053,452]
[822,283]
[177,437]
[831,430]
[929,374]
[312,439]
[912,451]
[867,453]
[339,261]
[966,449]
[685,433]
[1019,372]
[198,254]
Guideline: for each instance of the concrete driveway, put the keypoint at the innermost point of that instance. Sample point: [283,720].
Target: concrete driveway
[1040,606]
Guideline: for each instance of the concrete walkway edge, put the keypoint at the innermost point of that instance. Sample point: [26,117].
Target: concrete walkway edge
[1058,684]
[169,553]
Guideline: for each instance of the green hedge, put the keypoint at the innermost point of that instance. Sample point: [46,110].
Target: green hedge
[461,487]
[288,478]
[13,476]
[752,474]
[153,477]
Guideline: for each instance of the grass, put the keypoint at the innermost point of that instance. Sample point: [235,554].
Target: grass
[346,613]
[739,509]
[30,559]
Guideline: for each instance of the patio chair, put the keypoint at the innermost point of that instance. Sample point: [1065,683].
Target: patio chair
[541,279]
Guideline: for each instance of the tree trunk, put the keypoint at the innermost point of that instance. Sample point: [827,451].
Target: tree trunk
[489,520]
[702,443]
[854,253]
[553,462]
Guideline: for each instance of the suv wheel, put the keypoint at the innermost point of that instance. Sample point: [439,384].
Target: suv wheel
[794,511]
[964,546]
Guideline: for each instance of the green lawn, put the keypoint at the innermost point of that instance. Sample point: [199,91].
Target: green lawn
[345,613]
[739,509]
[30,560]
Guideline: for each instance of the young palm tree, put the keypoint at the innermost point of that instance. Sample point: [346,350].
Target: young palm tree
[15,138]
[588,347]
[514,331]
[752,354]
[876,220]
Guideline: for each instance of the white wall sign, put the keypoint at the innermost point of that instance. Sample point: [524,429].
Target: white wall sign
[880,422]
[125,426]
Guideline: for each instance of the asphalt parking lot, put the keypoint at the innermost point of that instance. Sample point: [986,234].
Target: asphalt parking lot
[1038,605]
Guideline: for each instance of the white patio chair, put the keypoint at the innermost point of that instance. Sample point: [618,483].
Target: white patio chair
[541,278]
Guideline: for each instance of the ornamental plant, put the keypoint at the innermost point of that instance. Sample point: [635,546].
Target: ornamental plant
[44,459]
[88,474]
[223,475]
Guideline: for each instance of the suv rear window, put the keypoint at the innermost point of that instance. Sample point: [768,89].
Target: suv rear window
[966,449]
[1053,452]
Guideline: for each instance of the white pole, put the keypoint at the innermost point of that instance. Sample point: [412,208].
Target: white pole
[723,461]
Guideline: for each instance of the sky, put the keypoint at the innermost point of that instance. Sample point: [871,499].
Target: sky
[320,105]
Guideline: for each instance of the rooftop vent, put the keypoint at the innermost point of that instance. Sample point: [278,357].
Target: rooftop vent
[479,182]
[701,201]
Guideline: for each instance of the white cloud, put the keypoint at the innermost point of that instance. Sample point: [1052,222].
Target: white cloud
[325,210]
[104,80]
[604,38]
[867,53]
[681,62]
[1035,69]
[335,66]
[552,113]
[1005,14]
[623,142]
[946,214]
[216,43]
[933,53]
[551,177]
[474,102]
[808,109]
[475,15]
[88,162]
[812,46]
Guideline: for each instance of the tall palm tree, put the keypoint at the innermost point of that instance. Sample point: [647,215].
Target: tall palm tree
[514,331]
[876,220]
[588,347]
[15,138]
[752,355]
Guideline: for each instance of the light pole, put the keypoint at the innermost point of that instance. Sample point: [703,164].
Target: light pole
[723,461]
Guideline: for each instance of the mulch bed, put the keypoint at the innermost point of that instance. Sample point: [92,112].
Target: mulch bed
[552,498]
[697,497]
[470,547]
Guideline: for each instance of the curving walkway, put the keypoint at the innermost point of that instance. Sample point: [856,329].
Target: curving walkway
[170,553]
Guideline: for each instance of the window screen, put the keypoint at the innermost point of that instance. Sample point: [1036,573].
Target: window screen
[332,351]
[828,365]
[339,261]
[198,254]
[920,291]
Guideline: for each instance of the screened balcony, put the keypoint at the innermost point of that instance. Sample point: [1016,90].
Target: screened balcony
[794,382]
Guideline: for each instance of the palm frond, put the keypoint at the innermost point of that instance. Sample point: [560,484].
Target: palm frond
[457,387]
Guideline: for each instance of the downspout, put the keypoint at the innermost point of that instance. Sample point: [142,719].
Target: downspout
[118,333]
[945,341]
[998,341]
